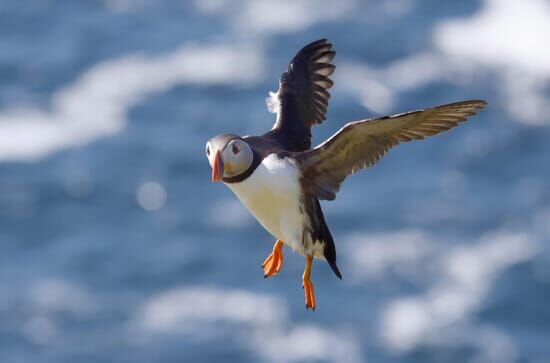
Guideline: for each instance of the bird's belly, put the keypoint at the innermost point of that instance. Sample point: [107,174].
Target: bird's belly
[274,200]
[273,213]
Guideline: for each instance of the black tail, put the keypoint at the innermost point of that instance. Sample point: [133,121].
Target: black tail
[323,234]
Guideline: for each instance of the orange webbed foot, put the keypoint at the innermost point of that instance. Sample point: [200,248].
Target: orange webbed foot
[308,286]
[272,264]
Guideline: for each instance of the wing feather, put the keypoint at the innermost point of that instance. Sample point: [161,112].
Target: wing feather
[361,144]
[303,94]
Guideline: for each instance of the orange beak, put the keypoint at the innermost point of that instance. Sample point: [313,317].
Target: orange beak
[217,168]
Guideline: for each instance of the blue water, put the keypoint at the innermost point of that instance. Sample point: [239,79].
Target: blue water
[115,247]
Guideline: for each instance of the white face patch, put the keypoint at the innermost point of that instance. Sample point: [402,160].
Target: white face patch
[237,157]
[209,151]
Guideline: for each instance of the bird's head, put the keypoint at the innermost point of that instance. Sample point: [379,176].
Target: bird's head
[229,155]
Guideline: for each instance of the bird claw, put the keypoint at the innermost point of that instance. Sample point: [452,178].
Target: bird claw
[307,285]
[309,294]
[272,264]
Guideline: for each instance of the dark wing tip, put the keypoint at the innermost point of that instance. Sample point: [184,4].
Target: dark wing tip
[477,104]
[464,109]
[313,51]
[315,43]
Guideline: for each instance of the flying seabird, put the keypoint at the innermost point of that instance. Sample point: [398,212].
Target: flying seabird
[280,178]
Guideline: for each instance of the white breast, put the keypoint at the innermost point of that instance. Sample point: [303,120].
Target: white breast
[272,194]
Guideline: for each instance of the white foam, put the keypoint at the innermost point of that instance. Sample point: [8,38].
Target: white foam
[504,32]
[289,16]
[374,92]
[187,308]
[460,286]
[378,88]
[509,37]
[270,333]
[261,18]
[97,103]
[372,256]
[53,295]
[306,342]
[505,40]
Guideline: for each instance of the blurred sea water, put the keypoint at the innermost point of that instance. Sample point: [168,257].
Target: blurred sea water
[115,246]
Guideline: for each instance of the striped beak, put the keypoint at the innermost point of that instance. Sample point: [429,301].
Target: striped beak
[217,168]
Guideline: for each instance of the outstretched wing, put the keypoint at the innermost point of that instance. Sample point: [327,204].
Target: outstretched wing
[302,98]
[361,144]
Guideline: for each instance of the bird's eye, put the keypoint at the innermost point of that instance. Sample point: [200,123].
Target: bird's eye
[235,148]
[208,150]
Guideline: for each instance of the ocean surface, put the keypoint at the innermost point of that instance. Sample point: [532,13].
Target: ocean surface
[116,247]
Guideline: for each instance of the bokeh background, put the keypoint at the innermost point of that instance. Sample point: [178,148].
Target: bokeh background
[115,246]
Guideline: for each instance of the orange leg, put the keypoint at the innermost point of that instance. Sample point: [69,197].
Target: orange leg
[273,262]
[307,285]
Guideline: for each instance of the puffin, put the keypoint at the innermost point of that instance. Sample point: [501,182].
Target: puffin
[281,179]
